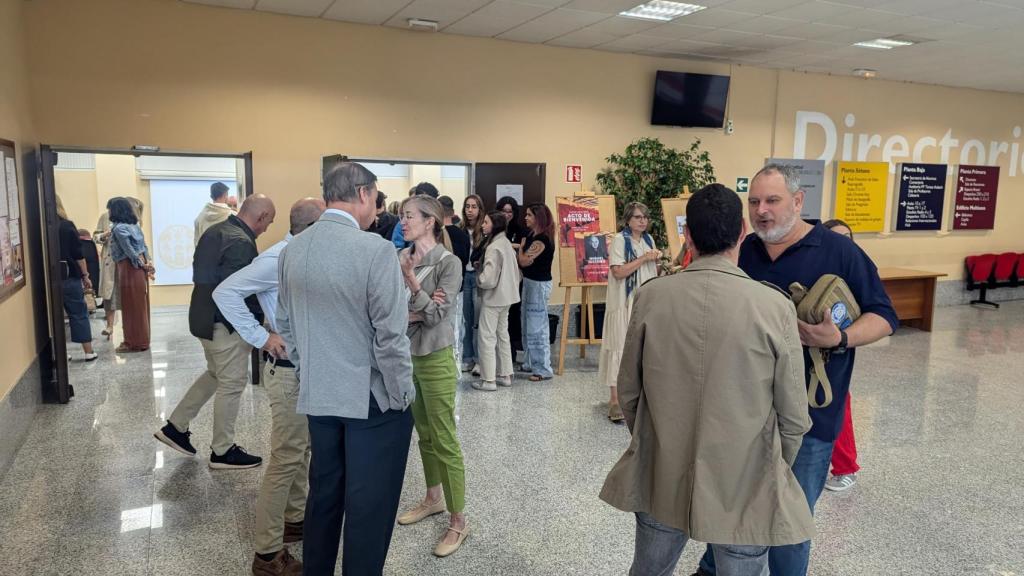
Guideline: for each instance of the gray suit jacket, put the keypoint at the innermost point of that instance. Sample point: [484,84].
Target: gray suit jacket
[343,314]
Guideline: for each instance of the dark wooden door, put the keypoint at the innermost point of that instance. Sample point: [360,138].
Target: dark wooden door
[56,387]
[489,175]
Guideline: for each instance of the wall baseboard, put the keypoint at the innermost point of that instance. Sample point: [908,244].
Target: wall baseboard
[17,411]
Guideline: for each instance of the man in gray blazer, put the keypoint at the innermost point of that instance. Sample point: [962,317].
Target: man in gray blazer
[343,314]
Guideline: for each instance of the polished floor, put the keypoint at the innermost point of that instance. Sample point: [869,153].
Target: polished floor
[939,428]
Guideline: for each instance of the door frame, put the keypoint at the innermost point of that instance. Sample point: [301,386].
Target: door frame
[56,387]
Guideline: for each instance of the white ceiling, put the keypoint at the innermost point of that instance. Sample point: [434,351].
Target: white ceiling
[975,43]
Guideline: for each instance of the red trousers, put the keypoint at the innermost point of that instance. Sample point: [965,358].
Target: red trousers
[844,452]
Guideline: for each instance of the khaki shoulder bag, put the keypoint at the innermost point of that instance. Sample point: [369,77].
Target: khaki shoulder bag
[830,297]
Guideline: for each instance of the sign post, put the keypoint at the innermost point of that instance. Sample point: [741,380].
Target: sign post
[920,197]
[742,185]
[974,206]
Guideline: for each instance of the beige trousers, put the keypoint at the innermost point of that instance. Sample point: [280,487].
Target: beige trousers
[285,483]
[227,373]
[494,341]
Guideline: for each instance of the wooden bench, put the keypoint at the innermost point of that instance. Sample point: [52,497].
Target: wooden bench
[912,293]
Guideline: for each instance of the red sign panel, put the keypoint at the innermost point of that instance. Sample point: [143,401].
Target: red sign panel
[573,173]
[974,207]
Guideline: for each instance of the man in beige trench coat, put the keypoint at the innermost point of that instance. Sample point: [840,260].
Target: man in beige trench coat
[712,387]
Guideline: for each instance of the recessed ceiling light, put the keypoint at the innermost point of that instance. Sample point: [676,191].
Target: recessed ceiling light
[884,43]
[661,10]
[865,72]
[422,25]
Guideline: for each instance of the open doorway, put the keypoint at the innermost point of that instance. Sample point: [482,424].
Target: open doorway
[166,191]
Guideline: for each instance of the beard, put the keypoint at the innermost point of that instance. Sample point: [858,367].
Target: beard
[776,234]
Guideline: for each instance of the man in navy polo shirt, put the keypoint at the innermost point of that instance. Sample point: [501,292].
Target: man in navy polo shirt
[784,249]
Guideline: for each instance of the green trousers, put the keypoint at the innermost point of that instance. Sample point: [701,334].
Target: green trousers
[435,377]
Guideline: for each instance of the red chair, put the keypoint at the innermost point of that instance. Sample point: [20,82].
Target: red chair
[980,272]
[1005,268]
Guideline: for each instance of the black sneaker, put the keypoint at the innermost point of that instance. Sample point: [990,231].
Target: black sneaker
[234,459]
[178,440]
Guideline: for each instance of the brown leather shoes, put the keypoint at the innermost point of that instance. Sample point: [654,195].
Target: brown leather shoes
[283,564]
[292,532]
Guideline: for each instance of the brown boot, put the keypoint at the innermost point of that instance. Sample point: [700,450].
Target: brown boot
[292,532]
[615,413]
[283,564]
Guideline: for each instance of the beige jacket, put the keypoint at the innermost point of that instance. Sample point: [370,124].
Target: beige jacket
[712,387]
[439,270]
[212,213]
[498,280]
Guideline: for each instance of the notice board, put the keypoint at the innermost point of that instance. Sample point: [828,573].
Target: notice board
[12,246]
[974,206]
[812,182]
[920,197]
[861,190]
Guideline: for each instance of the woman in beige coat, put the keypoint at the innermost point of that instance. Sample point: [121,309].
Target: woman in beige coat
[498,285]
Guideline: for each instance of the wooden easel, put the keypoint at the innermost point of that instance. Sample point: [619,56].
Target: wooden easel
[587,331]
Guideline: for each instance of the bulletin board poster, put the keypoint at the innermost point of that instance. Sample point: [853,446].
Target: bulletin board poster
[812,182]
[12,250]
[861,191]
[920,196]
[975,200]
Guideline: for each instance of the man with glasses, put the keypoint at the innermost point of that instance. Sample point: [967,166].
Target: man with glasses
[343,315]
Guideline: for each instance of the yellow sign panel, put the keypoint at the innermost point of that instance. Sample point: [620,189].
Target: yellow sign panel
[861,189]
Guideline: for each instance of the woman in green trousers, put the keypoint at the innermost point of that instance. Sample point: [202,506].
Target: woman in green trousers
[433,276]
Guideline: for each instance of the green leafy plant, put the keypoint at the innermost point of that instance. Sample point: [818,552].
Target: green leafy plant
[648,171]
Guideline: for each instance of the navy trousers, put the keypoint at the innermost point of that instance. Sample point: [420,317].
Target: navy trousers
[355,475]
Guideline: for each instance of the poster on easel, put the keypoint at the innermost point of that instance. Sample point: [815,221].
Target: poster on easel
[591,258]
[674,212]
[584,224]
[576,216]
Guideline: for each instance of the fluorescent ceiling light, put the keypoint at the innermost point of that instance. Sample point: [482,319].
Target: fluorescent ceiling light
[884,43]
[661,10]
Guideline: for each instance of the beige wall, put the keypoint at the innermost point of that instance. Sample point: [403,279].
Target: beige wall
[16,313]
[276,86]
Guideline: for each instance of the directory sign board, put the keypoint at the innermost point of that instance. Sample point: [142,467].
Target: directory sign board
[974,207]
[861,189]
[920,197]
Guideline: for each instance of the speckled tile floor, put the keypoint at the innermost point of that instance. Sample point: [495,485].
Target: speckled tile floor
[937,417]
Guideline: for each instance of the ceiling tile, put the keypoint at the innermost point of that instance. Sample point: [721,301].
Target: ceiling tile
[989,15]
[243,4]
[495,18]
[813,11]
[365,11]
[760,6]
[919,7]
[603,6]
[674,31]
[552,25]
[308,8]
[905,25]
[633,43]
[714,17]
[762,25]
[619,26]
[948,31]
[860,18]
[444,12]
[582,39]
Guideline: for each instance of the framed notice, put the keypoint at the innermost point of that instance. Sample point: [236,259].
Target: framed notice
[861,190]
[920,197]
[812,182]
[12,250]
[974,204]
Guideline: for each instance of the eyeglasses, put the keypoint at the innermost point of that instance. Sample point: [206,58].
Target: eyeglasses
[640,217]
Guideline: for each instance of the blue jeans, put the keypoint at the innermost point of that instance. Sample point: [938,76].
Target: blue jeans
[536,329]
[811,471]
[468,316]
[658,548]
[78,312]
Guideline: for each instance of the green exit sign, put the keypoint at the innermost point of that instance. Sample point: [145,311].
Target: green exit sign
[742,184]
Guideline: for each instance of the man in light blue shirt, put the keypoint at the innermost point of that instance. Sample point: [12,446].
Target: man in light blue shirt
[282,501]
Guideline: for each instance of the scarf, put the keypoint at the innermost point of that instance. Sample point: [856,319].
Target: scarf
[630,256]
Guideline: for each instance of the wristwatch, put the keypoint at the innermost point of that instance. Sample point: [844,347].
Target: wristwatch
[841,348]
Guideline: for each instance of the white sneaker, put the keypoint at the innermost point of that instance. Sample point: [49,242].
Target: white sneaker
[484,385]
[841,482]
[90,357]
[505,381]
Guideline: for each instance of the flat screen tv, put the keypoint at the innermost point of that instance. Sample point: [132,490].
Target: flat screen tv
[690,100]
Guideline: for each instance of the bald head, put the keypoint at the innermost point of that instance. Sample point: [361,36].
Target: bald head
[257,212]
[305,212]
